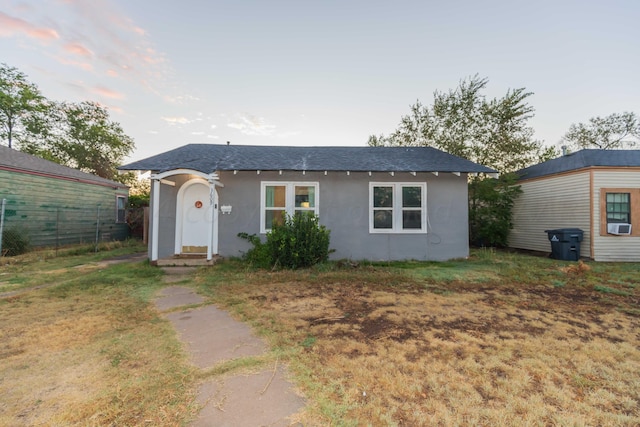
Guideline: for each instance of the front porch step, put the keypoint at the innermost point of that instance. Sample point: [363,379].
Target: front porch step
[186,261]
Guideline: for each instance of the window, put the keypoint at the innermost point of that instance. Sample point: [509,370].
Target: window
[618,208]
[121,208]
[286,198]
[398,208]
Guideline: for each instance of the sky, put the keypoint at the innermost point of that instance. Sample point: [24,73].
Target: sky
[319,73]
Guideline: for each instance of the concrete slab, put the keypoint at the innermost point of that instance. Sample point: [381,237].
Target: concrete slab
[176,296]
[212,336]
[261,399]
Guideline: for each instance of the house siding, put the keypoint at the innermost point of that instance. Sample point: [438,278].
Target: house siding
[610,247]
[344,209]
[551,203]
[343,202]
[54,211]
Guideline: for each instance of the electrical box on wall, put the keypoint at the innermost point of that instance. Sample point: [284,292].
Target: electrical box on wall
[225,209]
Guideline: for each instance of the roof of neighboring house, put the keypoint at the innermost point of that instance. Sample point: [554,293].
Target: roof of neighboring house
[580,160]
[17,161]
[208,158]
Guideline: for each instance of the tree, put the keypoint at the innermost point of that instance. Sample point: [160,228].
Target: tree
[22,107]
[615,131]
[79,135]
[490,205]
[85,138]
[493,132]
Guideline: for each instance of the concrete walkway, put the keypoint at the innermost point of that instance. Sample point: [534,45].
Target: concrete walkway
[211,336]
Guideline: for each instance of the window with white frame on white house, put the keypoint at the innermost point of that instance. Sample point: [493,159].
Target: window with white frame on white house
[278,199]
[397,207]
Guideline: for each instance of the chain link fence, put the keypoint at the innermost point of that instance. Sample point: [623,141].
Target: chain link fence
[25,227]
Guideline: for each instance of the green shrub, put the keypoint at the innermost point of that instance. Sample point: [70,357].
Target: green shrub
[15,241]
[259,255]
[300,241]
[491,210]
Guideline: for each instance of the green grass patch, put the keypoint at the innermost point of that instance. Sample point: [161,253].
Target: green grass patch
[608,290]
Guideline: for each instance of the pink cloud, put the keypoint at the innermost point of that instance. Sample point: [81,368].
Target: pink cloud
[83,65]
[10,26]
[107,93]
[77,49]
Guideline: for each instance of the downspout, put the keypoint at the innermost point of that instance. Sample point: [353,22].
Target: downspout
[155,193]
[212,208]
[591,213]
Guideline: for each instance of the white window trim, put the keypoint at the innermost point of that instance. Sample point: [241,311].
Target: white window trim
[124,209]
[397,208]
[290,198]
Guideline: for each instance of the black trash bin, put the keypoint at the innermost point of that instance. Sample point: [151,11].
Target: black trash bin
[565,243]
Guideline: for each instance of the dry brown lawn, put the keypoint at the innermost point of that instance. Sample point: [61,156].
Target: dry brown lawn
[394,346]
[89,350]
[498,339]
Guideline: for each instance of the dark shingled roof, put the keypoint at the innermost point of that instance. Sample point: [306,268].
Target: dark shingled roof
[209,158]
[16,160]
[580,160]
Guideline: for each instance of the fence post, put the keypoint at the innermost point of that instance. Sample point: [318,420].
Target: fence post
[4,201]
[57,229]
[97,229]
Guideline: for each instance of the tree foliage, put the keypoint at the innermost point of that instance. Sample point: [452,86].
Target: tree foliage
[79,135]
[464,122]
[82,136]
[492,132]
[615,131]
[22,107]
[91,141]
[491,210]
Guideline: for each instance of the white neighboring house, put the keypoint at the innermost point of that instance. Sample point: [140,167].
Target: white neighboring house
[597,191]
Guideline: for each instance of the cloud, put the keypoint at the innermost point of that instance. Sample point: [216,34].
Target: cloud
[106,92]
[176,120]
[249,124]
[87,66]
[77,49]
[96,36]
[11,26]
[180,99]
[115,109]
[197,133]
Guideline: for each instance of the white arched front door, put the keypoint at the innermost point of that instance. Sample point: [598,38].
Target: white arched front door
[193,216]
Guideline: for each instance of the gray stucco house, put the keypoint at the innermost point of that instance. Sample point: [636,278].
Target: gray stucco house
[380,203]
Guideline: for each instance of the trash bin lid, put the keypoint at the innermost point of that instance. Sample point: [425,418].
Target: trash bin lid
[564,231]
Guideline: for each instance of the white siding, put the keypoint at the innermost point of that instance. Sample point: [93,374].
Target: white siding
[550,203]
[614,248]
